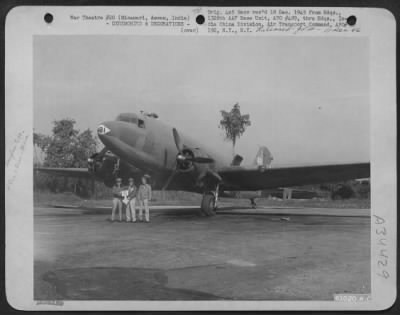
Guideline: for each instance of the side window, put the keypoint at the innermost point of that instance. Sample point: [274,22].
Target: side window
[141,123]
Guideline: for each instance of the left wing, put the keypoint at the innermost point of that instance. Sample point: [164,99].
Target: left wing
[71,172]
[255,178]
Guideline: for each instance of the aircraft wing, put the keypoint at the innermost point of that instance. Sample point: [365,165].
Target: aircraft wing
[71,172]
[255,178]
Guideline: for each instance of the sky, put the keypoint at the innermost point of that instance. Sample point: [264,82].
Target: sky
[308,97]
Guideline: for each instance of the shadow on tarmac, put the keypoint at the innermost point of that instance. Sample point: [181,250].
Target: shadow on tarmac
[105,284]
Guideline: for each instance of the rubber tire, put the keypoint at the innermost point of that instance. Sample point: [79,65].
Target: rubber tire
[208,205]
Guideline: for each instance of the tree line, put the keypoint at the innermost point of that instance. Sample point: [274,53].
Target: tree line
[65,147]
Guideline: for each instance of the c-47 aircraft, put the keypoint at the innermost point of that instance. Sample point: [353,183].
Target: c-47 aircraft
[136,144]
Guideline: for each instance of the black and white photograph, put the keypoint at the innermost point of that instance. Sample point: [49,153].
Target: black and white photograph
[200,168]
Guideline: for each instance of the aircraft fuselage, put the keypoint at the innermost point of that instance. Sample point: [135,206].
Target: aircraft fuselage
[148,144]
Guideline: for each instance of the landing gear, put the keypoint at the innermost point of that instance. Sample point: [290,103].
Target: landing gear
[208,205]
[253,203]
[209,202]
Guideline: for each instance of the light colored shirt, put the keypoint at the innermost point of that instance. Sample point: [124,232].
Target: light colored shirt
[116,190]
[132,192]
[144,192]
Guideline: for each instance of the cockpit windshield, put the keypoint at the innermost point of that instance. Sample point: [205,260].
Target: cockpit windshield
[128,118]
[131,118]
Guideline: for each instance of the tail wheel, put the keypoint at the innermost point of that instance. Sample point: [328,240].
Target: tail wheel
[208,205]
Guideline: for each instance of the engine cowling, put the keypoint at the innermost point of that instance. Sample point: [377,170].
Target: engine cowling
[107,166]
[104,166]
[188,158]
[185,160]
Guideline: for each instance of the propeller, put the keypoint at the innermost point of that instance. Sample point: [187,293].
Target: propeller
[183,157]
[170,178]
[95,158]
[103,152]
[177,140]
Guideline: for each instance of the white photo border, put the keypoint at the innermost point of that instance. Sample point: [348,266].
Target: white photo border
[22,23]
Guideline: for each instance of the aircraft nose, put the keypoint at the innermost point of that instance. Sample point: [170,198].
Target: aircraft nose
[109,131]
[103,129]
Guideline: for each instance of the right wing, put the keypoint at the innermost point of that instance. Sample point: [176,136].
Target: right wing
[256,178]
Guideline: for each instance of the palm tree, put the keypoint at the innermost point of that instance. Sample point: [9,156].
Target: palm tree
[234,124]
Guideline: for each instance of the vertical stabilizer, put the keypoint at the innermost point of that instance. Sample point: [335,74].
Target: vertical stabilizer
[263,158]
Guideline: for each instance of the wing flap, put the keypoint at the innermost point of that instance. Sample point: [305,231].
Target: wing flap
[241,178]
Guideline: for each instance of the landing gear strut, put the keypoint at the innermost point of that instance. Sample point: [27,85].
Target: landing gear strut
[209,202]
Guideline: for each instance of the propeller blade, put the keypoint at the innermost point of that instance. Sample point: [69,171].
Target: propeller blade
[103,151]
[200,159]
[209,173]
[215,175]
[177,140]
[170,178]
[199,181]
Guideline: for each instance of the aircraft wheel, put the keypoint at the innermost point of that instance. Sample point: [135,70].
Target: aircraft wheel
[208,205]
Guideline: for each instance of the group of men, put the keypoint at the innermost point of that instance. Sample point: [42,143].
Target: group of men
[127,196]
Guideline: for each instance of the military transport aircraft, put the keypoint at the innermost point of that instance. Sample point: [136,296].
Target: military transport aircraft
[136,144]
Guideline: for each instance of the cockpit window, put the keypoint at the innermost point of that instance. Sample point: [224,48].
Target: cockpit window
[129,119]
[133,121]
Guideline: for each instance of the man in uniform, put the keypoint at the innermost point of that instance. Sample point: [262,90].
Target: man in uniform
[130,207]
[144,195]
[117,196]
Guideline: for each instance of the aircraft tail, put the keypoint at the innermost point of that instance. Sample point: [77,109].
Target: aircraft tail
[263,158]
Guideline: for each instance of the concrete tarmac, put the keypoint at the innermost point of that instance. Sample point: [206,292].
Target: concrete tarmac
[240,254]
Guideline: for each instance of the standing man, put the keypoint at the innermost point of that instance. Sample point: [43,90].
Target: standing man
[117,199]
[144,195]
[130,207]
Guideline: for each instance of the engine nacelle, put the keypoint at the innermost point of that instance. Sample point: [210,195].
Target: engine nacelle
[184,160]
[190,156]
[107,166]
